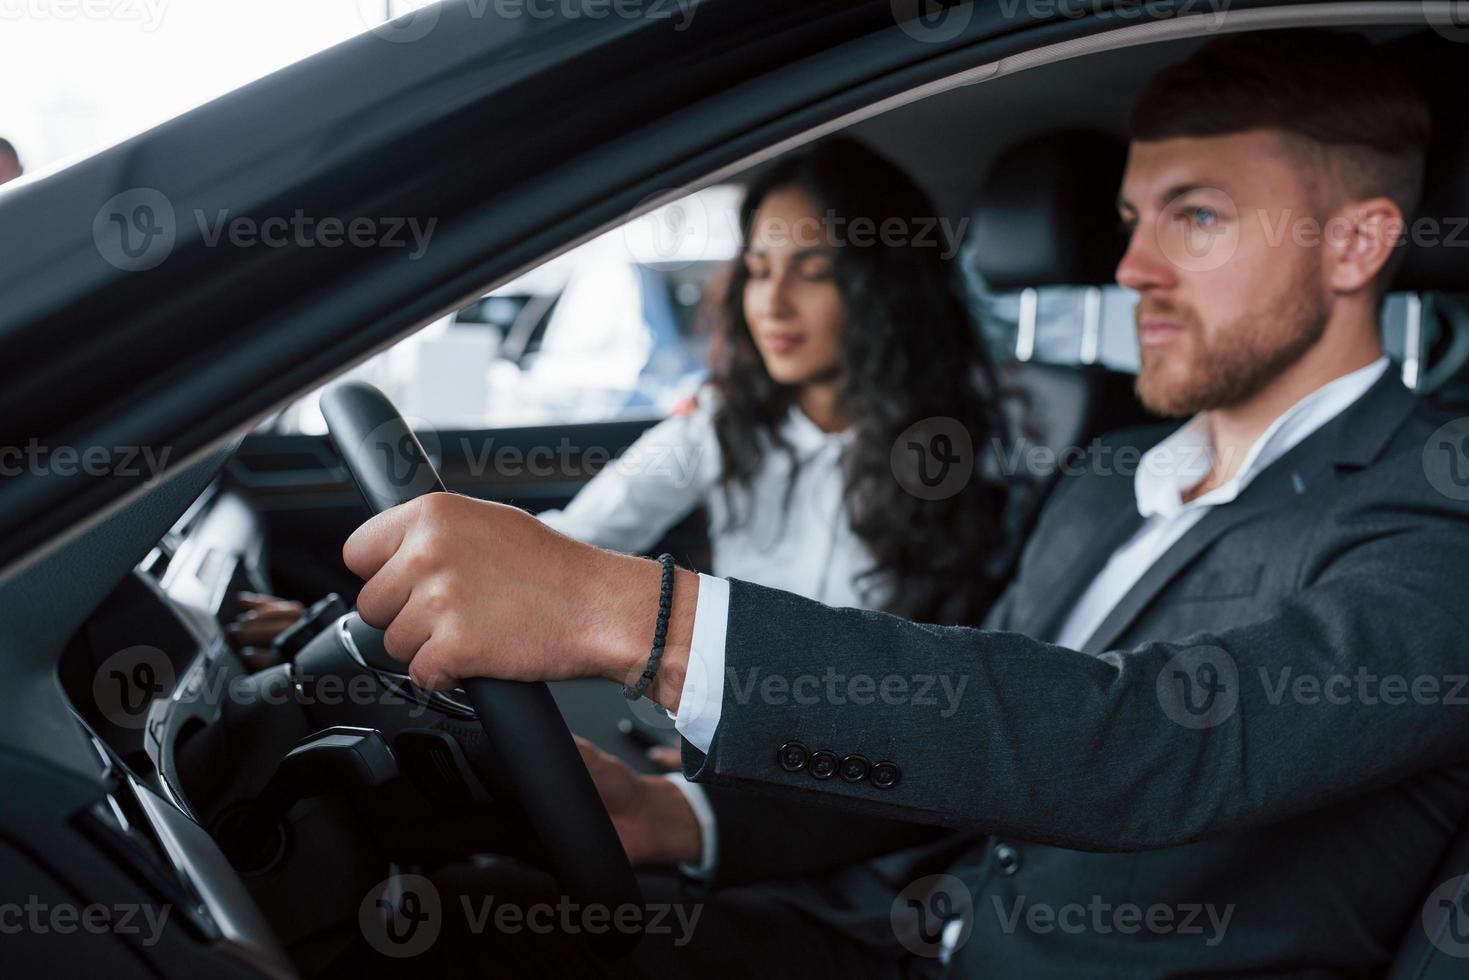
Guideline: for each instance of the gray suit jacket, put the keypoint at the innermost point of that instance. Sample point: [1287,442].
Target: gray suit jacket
[1272,725]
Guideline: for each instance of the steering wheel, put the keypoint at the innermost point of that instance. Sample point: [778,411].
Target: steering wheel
[533,759]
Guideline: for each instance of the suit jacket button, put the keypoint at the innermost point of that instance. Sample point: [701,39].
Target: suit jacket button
[885,775]
[1007,858]
[854,769]
[823,764]
[792,757]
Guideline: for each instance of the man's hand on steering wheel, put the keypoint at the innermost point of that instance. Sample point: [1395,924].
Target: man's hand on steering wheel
[469,588]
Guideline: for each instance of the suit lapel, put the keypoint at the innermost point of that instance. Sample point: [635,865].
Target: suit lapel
[1073,564]
[1353,438]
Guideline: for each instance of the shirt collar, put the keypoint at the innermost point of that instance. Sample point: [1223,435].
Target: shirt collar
[808,438]
[1180,461]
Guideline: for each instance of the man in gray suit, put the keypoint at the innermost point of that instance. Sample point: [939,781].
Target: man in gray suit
[1215,724]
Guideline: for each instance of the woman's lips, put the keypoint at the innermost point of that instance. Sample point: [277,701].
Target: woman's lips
[1155,331]
[784,343]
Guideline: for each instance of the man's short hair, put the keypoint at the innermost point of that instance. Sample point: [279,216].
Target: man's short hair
[7,147]
[1337,92]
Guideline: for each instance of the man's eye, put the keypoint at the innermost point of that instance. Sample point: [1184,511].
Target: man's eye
[1126,226]
[1203,217]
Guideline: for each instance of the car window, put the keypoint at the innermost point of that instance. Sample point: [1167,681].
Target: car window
[1061,337]
[609,330]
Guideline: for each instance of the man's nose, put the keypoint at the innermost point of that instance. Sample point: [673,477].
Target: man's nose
[1144,267]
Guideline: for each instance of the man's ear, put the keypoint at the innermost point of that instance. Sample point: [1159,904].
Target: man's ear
[1360,240]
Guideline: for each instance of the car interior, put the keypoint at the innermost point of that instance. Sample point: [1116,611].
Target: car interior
[264,816]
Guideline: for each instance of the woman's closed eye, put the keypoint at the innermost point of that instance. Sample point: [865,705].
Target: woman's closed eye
[817,268]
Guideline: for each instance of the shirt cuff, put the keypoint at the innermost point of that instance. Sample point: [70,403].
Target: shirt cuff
[708,829]
[702,699]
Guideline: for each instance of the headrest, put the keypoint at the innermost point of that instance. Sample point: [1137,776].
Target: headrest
[1438,237]
[1046,214]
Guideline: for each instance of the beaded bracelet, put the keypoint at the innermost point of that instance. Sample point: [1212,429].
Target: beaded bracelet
[660,631]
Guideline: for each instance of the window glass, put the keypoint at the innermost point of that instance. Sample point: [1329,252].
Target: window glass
[608,330]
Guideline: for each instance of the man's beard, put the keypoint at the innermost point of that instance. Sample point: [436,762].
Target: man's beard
[1234,364]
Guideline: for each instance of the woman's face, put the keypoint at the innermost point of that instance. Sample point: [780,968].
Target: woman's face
[792,303]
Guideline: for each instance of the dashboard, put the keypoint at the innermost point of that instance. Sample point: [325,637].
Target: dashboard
[189,739]
[155,639]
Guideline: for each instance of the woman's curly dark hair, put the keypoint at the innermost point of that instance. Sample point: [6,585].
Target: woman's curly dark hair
[909,353]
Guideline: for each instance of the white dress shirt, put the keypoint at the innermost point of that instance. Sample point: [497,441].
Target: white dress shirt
[808,548]
[1176,465]
[1165,473]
